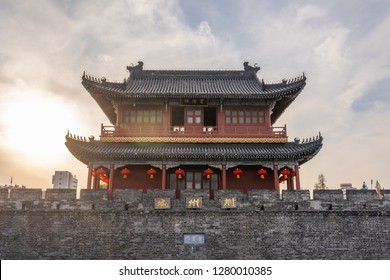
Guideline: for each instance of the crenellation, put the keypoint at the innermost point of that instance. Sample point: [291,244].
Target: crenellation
[263,196]
[60,194]
[149,199]
[222,197]
[136,200]
[4,194]
[295,196]
[328,195]
[386,195]
[128,196]
[93,195]
[26,194]
[361,196]
[193,195]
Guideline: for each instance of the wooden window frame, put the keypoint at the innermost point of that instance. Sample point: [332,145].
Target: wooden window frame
[142,116]
[249,116]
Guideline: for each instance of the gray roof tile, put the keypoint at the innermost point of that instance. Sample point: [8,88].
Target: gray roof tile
[193,84]
[93,150]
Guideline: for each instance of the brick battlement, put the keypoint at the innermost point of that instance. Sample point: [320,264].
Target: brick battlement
[267,200]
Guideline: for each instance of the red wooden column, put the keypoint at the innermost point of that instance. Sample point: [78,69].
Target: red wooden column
[164,177]
[292,183]
[297,180]
[96,182]
[220,120]
[288,181]
[166,118]
[224,176]
[111,182]
[89,178]
[120,114]
[276,177]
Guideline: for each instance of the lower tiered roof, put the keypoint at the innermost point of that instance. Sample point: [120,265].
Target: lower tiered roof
[92,150]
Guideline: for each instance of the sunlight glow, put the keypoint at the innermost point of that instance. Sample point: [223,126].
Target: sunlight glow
[35,124]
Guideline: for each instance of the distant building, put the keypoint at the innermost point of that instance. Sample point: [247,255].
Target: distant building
[64,180]
[346,186]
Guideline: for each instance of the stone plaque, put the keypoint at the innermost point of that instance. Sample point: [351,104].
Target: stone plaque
[229,202]
[162,203]
[194,238]
[194,202]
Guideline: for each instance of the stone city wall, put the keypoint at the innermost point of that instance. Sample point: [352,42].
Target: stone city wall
[154,225]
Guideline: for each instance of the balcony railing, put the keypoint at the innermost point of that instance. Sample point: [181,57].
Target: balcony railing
[194,131]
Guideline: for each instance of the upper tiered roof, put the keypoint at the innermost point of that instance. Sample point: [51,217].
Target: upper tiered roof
[228,84]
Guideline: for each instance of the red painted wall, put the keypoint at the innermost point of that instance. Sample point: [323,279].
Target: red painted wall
[249,179]
[138,179]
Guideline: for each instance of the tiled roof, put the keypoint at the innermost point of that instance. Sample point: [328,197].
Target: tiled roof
[191,84]
[202,84]
[86,151]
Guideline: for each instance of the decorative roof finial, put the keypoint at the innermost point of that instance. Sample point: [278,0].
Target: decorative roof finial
[248,68]
[136,70]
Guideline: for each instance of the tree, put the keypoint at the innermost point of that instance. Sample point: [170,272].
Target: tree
[321,184]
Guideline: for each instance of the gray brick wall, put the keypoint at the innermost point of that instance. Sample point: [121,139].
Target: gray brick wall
[3,193]
[60,194]
[159,235]
[26,194]
[328,195]
[261,227]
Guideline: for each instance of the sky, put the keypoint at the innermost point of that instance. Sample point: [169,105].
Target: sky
[341,46]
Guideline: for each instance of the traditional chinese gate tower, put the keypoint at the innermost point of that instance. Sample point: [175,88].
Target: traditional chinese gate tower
[193,129]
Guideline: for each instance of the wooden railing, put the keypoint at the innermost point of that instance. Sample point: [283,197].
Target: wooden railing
[195,131]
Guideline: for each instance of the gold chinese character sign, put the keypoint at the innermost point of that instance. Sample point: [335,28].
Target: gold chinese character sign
[194,202]
[229,202]
[162,203]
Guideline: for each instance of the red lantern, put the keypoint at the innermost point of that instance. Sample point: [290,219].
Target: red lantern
[151,172]
[104,178]
[285,172]
[125,172]
[237,172]
[207,173]
[93,173]
[262,172]
[100,171]
[292,174]
[179,173]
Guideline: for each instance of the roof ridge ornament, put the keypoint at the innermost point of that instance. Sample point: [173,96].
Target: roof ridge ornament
[247,68]
[137,69]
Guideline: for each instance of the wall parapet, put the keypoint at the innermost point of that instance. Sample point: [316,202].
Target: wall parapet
[60,194]
[236,200]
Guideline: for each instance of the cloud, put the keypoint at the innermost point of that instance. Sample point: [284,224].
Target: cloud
[49,45]
[307,12]
[342,65]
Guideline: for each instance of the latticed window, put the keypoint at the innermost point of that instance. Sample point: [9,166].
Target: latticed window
[125,116]
[244,116]
[194,116]
[142,116]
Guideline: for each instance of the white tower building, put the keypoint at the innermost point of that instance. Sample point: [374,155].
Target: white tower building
[64,180]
